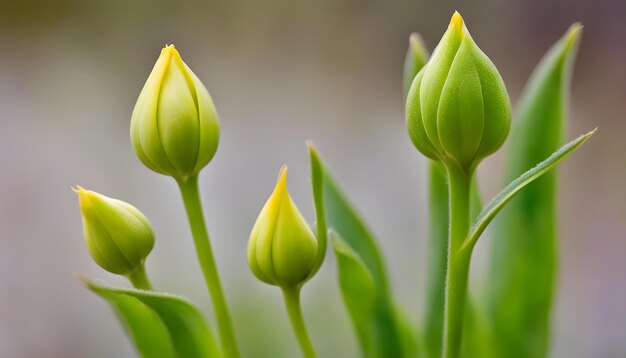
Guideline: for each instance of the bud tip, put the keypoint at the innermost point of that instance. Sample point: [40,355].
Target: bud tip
[168,49]
[457,21]
[282,178]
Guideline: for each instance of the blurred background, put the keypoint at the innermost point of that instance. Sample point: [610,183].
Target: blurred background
[280,72]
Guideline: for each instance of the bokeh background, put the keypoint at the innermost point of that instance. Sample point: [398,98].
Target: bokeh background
[280,72]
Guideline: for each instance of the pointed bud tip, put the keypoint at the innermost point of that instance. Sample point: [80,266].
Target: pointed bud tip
[457,21]
[169,50]
[82,192]
[281,183]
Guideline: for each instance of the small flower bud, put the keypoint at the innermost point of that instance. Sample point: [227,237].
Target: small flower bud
[282,248]
[458,110]
[118,236]
[174,127]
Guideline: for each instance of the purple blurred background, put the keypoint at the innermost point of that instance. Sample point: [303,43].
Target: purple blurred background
[280,72]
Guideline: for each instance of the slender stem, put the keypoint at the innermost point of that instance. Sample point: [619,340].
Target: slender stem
[139,278]
[459,182]
[193,206]
[294,310]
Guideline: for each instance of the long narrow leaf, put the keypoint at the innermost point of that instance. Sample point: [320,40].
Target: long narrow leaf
[524,258]
[497,203]
[317,182]
[358,291]
[436,260]
[160,324]
[387,335]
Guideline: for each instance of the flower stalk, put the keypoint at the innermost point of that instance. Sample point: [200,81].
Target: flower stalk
[294,310]
[459,185]
[139,278]
[193,206]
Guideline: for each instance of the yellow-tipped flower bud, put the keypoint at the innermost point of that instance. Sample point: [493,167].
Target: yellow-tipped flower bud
[282,248]
[174,127]
[118,236]
[458,110]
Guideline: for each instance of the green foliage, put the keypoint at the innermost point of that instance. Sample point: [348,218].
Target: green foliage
[457,113]
[357,289]
[498,202]
[160,324]
[437,259]
[380,332]
[523,263]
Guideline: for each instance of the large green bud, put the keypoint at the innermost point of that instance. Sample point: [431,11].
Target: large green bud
[118,236]
[458,110]
[174,127]
[282,249]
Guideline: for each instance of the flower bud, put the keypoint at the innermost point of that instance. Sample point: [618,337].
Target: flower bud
[174,127]
[118,236]
[282,248]
[458,110]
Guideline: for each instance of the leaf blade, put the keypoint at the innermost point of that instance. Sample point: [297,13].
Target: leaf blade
[500,200]
[384,328]
[357,290]
[182,324]
[523,267]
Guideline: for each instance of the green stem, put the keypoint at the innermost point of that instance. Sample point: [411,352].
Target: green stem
[294,310]
[459,183]
[193,206]
[139,278]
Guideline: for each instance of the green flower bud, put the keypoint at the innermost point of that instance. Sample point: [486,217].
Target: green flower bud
[174,127]
[458,110]
[282,248]
[416,57]
[118,236]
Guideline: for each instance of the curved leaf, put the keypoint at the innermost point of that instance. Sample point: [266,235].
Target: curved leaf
[524,250]
[160,324]
[357,289]
[317,181]
[497,203]
[384,329]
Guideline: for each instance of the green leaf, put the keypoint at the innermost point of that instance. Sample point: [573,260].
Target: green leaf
[357,289]
[437,259]
[160,324]
[384,329]
[416,57]
[522,277]
[497,203]
[317,181]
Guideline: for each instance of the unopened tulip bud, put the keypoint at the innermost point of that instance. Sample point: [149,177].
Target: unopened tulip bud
[174,127]
[282,248]
[458,110]
[118,236]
